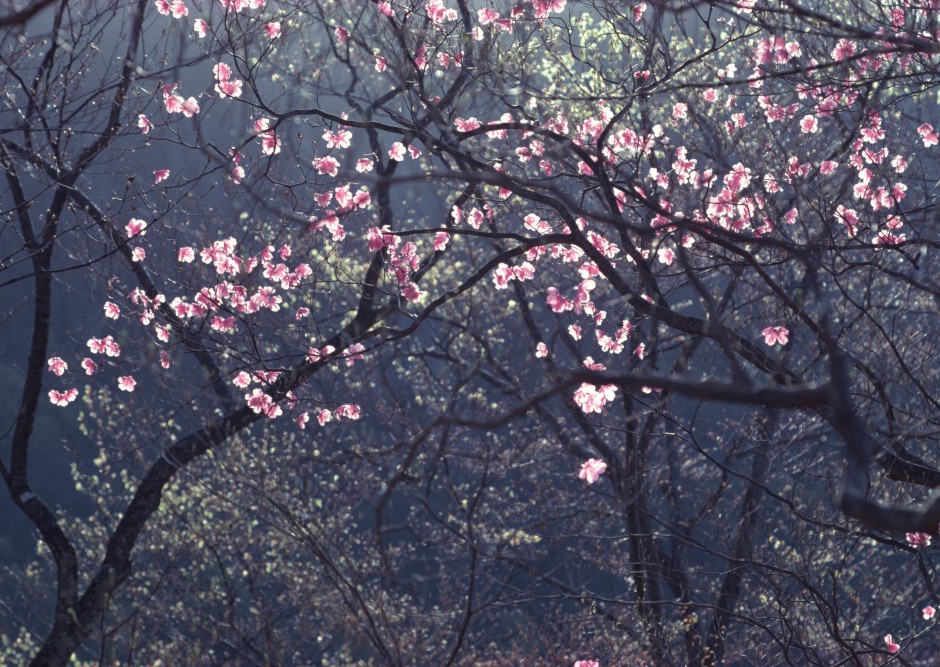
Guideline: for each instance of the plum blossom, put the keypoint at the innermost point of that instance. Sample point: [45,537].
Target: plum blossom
[57,366]
[63,398]
[200,27]
[592,663]
[593,399]
[135,227]
[327,165]
[892,647]
[381,64]
[112,310]
[273,29]
[261,403]
[186,255]
[928,135]
[775,336]
[339,139]
[89,366]
[126,383]
[177,8]
[143,123]
[928,612]
[918,540]
[591,471]
[225,85]
[438,13]
[160,175]
[544,7]
[397,151]
[809,125]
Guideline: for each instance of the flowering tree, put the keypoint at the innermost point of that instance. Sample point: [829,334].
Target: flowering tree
[378,279]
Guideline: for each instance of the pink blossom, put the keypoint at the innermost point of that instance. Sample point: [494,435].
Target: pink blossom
[543,7]
[259,402]
[273,29]
[164,359]
[541,351]
[892,647]
[438,13]
[189,107]
[229,88]
[843,50]
[591,471]
[160,175]
[592,663]
[126,383]
[364,165]
[637,16]
[178,9]
[89,366]
[135,227]
[467,125]
[63,398]
[412,293]
[440,241]
[593,399]
[385,7]
[739,177]
[338,139]
[200,27]
[928,135]
[111,310]
[270,143]
[354,353]
[342,35]
[57,366]
[381,64]
[143,123]
[186,255]
[349,411]
[138,255]
[397,151]
[928,612]
[775,336]
[324,416]
[849,218]
[809,125]
[327,165]
[302,420]
[301,313]
[918,540]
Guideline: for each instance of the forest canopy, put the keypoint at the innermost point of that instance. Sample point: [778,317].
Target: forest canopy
[449,332]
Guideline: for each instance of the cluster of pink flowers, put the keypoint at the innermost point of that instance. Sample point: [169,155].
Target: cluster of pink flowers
[591,398]
[175,103]
[225,85]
